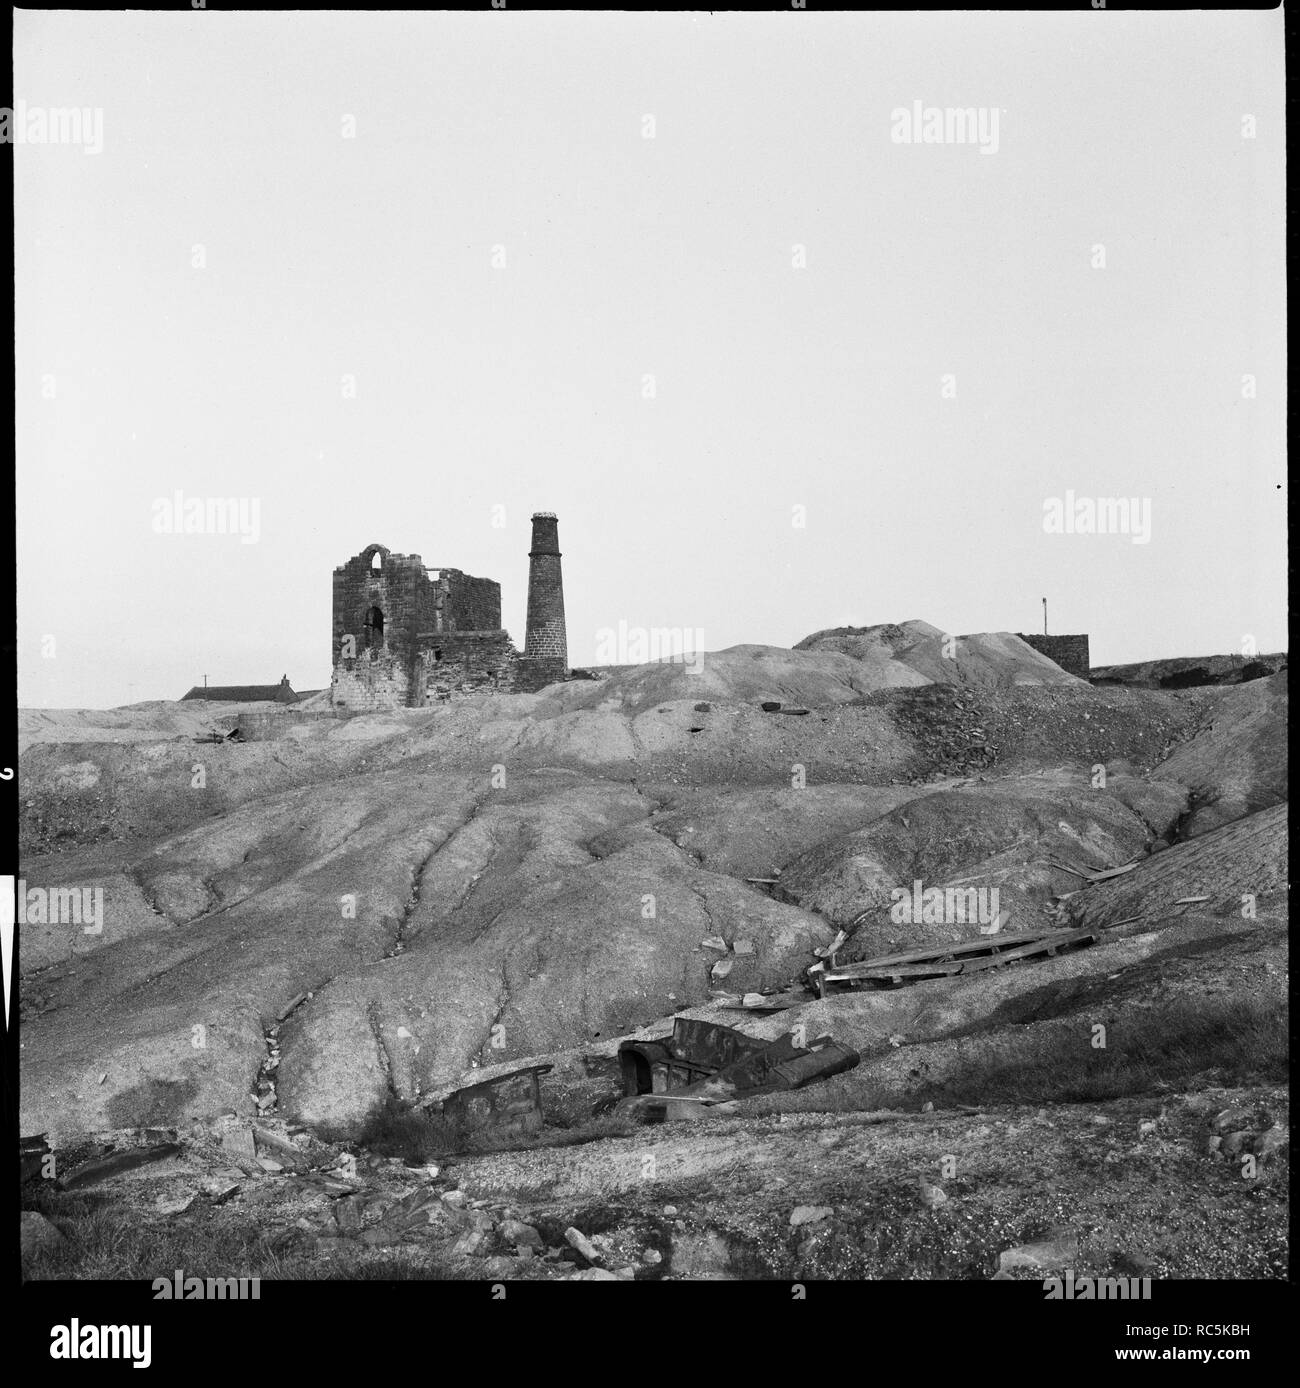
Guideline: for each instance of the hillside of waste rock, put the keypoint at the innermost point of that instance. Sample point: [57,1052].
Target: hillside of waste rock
[388,904]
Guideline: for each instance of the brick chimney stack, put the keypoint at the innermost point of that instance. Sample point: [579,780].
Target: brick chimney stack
[546,649]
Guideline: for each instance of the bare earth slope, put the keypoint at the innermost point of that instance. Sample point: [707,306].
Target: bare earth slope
[363,911]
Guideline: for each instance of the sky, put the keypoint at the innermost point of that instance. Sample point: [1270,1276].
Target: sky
[406,278]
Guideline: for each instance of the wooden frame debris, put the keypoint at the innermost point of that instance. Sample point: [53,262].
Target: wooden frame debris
[940,961]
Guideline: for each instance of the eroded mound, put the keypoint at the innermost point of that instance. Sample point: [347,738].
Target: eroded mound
[397,901]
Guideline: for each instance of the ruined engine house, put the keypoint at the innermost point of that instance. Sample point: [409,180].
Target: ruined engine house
[405,635]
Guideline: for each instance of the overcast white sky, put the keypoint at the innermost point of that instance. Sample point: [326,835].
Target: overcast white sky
[775,387]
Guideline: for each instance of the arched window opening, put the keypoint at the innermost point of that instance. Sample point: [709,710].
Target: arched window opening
[376,561]
[374,631]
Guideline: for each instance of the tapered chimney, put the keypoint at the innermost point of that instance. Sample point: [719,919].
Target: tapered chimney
[546,647]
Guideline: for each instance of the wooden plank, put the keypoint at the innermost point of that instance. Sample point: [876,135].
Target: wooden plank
[985,944]
[942,964]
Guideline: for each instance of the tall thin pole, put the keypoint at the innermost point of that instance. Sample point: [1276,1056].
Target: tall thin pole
[1044,616]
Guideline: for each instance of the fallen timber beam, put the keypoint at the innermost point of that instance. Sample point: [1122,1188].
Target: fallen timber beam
[953,960]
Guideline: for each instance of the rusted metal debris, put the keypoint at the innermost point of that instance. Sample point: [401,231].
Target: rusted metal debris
[708,1063]
[510,1103]
[939,961]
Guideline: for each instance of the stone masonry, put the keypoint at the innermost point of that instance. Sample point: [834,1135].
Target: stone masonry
[1069,652]
[405,635]
[546,650]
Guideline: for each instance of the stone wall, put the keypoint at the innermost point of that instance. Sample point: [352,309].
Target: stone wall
[370,683]
[546,649]
[1069,652]
[403,632]
[467,660]
[472,604]
[405,635]
[535,672]
[269,725]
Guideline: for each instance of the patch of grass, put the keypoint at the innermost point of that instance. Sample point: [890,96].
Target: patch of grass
[108,1240]
[399,1130]
[1243,1041]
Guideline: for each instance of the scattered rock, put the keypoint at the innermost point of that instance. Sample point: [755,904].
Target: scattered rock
[809,1214]
[932,1196]
[593,1275]
[347,1214]
[1233,1143]
[470,1243]
[521,1235]
[714,942]
[575,1238]
[1058,1250]
[455,1198]
[1268,1144]
[238,1144]
[1232,1120]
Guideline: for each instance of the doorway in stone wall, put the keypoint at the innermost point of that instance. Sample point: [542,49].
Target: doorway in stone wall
[374,629]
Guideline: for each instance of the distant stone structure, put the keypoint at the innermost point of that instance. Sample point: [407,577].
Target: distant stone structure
[405,635]
[546,648]
[1069,652]
[280,693]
